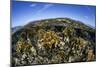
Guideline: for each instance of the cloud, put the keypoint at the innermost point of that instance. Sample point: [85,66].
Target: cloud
[86,17]
[33,5]
[40,9]
[44,8]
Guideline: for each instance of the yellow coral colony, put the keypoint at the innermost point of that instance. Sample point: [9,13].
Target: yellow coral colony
[49,39]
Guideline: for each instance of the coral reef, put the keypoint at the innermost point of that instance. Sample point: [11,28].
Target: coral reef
[50,41]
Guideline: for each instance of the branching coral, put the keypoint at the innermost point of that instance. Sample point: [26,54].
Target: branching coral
[50,39]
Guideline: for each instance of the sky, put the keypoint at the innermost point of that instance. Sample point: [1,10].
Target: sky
[24,12]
